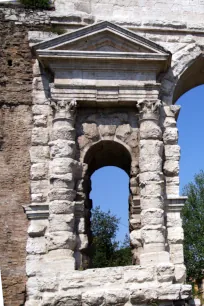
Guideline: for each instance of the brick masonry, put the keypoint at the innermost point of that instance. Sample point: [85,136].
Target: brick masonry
[15,138]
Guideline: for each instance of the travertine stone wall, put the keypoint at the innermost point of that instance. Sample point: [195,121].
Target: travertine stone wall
[60,234]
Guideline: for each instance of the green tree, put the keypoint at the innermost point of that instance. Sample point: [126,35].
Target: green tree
[36,4]
[193,224]
[106,251]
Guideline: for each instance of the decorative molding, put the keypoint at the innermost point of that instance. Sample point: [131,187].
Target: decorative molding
[36,211]
[175,204]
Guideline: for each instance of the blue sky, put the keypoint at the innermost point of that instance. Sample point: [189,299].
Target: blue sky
[110,184]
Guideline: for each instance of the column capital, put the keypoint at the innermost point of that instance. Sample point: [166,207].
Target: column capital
[63,108]
[148,109]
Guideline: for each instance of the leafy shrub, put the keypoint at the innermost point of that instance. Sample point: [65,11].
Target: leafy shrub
[36,4]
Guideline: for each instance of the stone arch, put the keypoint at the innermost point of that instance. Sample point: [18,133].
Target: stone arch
[100,154]
[186,63]
[107,153]
[192,76]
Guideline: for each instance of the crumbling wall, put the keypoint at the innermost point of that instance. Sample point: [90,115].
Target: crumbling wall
[15,137]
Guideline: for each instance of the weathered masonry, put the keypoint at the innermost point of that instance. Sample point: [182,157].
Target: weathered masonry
[95,103]
[101,94]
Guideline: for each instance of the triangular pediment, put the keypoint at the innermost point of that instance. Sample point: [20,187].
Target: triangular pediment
[102,37]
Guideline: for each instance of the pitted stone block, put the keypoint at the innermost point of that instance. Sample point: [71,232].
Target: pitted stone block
[61,207]
[59,222]
[62,148]
[40,136]
[170,136]
[36,245]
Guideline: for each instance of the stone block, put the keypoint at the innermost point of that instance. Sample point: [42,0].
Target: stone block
[123,131]
[165,273]
[116,297]
[61,207]
[135,238]
[138,274]
[150,163]
[82,241]
[63,133]
[175,234]
[40,120]
[174,219]
[39,153]
[154,258]
[151,177]
[93,298]
[185,291]
[41,186]
[90,130]
[151,148]
[176,253]
[62,194]
[59,222]
[172,190]
[150,130]
[180,273]
[41,110]
[152,216]
[172,152]
[171,167]
[62,166]
[40,136]
[32,288]
[152,202]
[107,132]
[148,189]
[36,245]
[33,264]
[38,198]
[32,302]
[37,228]
[62,148]
[153,234]
[169,292]
[81,226]
[170,136]
[169,122]
[39,171]
[143,294]
[61,240]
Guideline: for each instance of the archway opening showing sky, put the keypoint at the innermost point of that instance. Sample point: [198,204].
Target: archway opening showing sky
[110,191]
[191,134]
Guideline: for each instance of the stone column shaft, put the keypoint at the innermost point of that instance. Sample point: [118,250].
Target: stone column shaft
[63,172]
[151,184]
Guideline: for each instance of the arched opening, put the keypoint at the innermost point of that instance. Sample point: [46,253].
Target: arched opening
[190,125]
[110,194]
[102,154]
[193,76]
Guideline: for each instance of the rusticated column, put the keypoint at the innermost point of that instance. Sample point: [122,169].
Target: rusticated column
[63,174]
[151,184]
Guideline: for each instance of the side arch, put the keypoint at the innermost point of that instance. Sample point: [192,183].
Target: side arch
[193,76]
[186,62]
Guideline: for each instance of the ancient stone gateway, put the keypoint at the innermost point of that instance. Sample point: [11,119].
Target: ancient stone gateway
[96,102]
